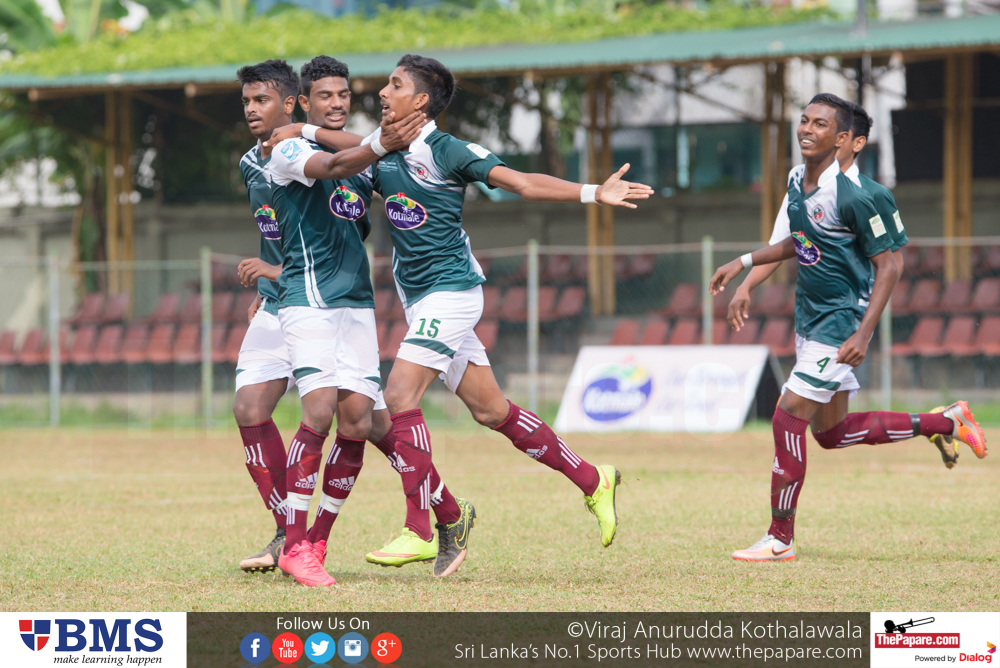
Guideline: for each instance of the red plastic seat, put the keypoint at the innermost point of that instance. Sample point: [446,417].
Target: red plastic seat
[219,331]
[747,336]
[514,306]
[625,333]
[686,332]
[135,344]
[166,309]
[641,266]
[557,269]
[491,301]
[720,303]
[685,300]
[911,260]
[33,348]
[191,313]
[777,335]
[398,311]
[109,345]
[986,298]
[84,342]
[241,305]
[925,337]
[383,304]
[900,298]
[383,271]
[222,306]
[91,308]
[115,308]
[987,341]
[926,296]
[655,333]
[955,298]
[958,337]
[8,355]
[620,265]
[161,345]
[932,261]
[571,302]
[581,268]
[771,300]
[187,345]
[393,340]
[487,331]
[485,264]
[516,277]
[989,261]
[234,341]
[546,303]
[720,332]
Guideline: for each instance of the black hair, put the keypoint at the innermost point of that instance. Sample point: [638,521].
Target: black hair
[845,115]
[861,125]
[277,74]
[321,67]
[432,77]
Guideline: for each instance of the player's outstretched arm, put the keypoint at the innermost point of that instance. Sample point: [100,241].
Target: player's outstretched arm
[338,140]
[727,272]
[353,161]
[854,349]
[544,188]
[739,307]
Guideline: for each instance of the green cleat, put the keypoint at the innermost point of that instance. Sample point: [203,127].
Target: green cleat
[602,503]
[454,540]
[405,549]
[945,444]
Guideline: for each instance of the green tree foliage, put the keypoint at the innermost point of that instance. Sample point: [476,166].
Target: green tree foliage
[23,27]
[192,38]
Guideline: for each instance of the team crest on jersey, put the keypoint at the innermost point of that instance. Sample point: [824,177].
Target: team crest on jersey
[807,251]
[405,213]
[346,204]
[818,215]
[268,223]
[422,173]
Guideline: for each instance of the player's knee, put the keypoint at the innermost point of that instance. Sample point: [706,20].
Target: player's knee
[399,400]
[355,427]
[319,419]
[381,424]
[249,412]
[828,439]
[489,416]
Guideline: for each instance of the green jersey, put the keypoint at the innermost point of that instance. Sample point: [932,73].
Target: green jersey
[885,204]
[424,190]
[323,226]
[836,229]
[254,170]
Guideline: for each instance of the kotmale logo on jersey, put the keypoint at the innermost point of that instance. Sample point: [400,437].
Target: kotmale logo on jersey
[346,204]
[619,390]
[267,220]
[405,213]
[807,251]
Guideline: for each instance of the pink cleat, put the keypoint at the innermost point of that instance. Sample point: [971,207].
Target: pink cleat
[319,549]
[300,563]
[967,429]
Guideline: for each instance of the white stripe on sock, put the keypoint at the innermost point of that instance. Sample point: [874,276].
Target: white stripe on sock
[859,433]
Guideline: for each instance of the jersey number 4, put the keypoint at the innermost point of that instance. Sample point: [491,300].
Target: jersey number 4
[432,329]
[822,364]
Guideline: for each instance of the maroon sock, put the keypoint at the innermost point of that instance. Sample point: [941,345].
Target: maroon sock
[413,456]
[304,457]
[534,438]
[343,465]
[882,427]
[788,472]
[266,464]
[445,508]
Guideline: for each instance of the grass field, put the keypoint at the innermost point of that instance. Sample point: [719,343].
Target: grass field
[158,520]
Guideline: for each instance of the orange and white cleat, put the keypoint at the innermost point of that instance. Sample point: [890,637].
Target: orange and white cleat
[302,565]
[767,548]
[319,549]
[967,430]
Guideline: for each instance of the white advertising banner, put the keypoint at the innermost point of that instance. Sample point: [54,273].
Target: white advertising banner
[136,639]
[661,388]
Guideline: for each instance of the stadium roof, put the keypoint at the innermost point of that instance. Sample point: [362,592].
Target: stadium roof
[720,47]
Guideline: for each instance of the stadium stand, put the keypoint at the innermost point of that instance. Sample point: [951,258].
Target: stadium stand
[84,342]
[487,331]
[626,333]
[187,345]
[925,337]
[571,302]
[747,335]
[32,348]
[167,309]
[135,344]
[233,341]
[8,355]
[684,301]
[514,307]
[686,332]
[161,344]
[90,311]
[655,332]
[777,335]
[109,345]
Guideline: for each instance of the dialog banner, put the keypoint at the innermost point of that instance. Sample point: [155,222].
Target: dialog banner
[509,640]
[902,639]
[662,388]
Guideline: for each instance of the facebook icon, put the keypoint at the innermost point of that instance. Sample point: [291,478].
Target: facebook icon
[255,647]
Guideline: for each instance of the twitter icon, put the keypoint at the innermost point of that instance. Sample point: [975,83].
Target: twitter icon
[320,648]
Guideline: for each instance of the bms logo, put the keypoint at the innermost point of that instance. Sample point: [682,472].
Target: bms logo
[268,223]
[35,632]
[405,213]
[346,204]
[807,251]
[618,391]
[72,635]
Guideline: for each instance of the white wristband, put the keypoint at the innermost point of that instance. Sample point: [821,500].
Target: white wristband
[588,194]
[309,131]
[377,147]
[747,260]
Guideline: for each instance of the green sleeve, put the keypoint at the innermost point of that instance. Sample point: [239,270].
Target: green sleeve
[858,212]
[465,162]
[893,221]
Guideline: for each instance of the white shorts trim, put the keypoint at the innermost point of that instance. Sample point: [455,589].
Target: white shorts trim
[332,347]
[817,375]
[263,353]
[442,334]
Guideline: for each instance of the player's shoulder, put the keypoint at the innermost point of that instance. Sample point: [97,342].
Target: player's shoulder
[293,148]
[796,173]
[848,191]
[876,189]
